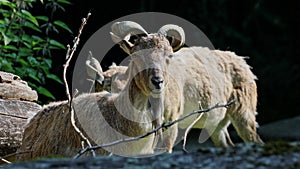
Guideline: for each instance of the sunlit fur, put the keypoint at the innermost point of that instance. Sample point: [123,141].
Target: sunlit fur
[211,77]
[104,117]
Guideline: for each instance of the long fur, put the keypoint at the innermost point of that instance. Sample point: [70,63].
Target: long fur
[211,77]
[192,75]
[106,117]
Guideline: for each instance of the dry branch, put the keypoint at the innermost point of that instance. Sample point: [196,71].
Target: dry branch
[164,125]
[69,56]
[3,158]
[15,116]
[189,128]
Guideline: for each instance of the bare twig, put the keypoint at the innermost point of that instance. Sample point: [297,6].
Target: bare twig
[3,158]
[164,125]
[16,153]
[189,128]
[16,116]
[69,55]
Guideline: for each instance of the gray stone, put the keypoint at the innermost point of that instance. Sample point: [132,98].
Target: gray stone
[16,107]
[13,117]
[286,129]
[237,159]
[13,88]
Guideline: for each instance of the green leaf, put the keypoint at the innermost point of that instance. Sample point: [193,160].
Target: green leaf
[45,92]
[48,62]
[54,77]
[26,38]
[37,48]
[42,18]
[28,45]
[54,29]
[24,52]
[62,25]
[5,13]
[32,26]
[54,48]
[23,62]
[10,47]
[21,71]
[27,41]
[32,85]
[2,22]
[37,38]
[7,3]
[7,40]
[37,41]
[45,69]
[32,61]
[64,2]
[32,75]
[56,43]
[15,26]
[10,55]
[30,17]
[5,65]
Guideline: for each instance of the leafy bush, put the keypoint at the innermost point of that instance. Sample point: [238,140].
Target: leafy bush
[26,43]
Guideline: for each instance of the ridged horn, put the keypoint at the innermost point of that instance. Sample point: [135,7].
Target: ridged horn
[174,31]
[120,30]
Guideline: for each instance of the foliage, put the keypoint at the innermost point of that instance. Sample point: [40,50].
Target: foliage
[25,41]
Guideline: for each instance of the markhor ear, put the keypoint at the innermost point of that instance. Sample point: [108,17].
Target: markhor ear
[174,34]
[174,42]
[94,69]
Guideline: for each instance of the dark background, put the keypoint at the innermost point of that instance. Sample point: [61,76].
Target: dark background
[266,31]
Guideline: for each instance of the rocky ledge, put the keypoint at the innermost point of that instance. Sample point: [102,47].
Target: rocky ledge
[273,155]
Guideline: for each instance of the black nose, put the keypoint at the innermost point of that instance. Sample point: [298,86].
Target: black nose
[157,82]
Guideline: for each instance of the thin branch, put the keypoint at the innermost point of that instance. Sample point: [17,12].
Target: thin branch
[69,55]
[4,160]
[66,65]
[15,116]
[164,125]
[16,153]
[190,127]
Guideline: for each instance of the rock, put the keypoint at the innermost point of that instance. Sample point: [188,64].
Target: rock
[286,129]
[244,155]
[12,87]
[16,107]
[13,117]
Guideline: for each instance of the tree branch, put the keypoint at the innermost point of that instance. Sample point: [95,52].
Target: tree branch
[15,116]
[164,125]
[3,158]
[190,127]
[69,55]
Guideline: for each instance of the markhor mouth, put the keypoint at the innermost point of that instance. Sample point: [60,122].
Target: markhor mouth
[155,93]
